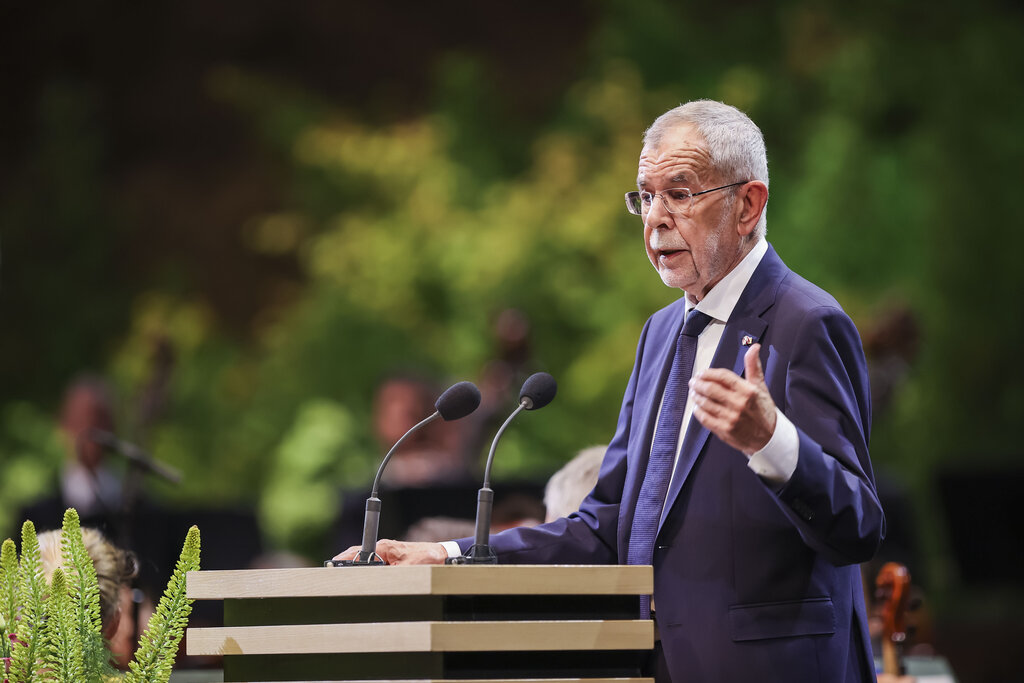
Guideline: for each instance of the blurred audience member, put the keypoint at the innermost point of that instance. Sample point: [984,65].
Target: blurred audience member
[431,455]
[115,568]
[85,483]
[437,529]
[516,509]
[281,559]
[499,382]
[568,486]
[891,344]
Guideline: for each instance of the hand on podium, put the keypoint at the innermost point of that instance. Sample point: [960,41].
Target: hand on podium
[402,552]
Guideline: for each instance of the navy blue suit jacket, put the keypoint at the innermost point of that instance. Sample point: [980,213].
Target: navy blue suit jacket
[750,583]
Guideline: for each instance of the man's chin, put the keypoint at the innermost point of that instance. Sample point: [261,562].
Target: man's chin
[676,280]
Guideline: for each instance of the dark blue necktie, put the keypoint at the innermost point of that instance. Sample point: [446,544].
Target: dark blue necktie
[663,451]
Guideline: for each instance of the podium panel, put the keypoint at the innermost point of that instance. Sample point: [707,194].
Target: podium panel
[468,622]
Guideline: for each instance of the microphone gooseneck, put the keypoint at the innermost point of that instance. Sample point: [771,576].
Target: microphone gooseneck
[371,517]
[458,401]
[538,390]
[134,455]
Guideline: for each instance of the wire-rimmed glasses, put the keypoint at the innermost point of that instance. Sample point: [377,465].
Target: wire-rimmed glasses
[676,199]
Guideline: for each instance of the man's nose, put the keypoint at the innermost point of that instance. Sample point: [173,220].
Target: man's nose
[657,216]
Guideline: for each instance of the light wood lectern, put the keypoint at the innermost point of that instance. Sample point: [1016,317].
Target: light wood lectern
[495,622]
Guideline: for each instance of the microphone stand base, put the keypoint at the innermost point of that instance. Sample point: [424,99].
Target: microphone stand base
[478,554]
[353,563]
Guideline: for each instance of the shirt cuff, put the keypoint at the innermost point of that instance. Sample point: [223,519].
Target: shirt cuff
[452,548]
[776,462]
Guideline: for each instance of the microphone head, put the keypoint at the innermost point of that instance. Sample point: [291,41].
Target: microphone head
[458,400]
[538,391]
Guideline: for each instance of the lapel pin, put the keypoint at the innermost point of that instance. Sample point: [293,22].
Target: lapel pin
[747,340]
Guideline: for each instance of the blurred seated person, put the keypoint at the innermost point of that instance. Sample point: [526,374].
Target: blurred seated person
[115,568]
[85,483]
[425,473]
[567,487]
[510,510]
[516,509]
[564,492]
[430,456]
[437,529]
[499,382]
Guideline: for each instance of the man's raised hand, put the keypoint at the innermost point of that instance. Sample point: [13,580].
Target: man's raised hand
[738,411]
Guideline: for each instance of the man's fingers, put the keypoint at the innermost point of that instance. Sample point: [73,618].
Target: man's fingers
[753,372]
[711,391]
[726,378]
[403,552]
[715,425]
[752,364]
[349,554]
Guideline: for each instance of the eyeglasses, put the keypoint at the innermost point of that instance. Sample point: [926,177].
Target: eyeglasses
[676,199]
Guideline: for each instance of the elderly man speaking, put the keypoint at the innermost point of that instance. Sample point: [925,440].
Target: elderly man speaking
[739,468]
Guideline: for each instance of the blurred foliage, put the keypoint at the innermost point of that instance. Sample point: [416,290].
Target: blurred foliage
[893,138]
[31,452]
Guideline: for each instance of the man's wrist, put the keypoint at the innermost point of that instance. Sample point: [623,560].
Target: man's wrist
[776,462]
[452,548]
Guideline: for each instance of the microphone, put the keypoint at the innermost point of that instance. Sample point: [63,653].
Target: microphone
[458,401]
[135,455]
[538,390]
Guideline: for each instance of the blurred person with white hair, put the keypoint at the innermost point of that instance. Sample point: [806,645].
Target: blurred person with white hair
[567,487]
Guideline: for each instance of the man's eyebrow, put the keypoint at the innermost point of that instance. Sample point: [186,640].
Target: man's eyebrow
[641,180]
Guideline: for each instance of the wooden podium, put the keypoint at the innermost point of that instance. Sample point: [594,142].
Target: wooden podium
[468,622]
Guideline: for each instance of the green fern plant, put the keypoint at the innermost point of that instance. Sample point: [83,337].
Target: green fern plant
[8,596]
[53,633]
[84,595]
[62,641]
[159,643]
[26,648]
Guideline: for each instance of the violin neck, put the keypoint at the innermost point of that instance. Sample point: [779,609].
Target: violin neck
[891,658]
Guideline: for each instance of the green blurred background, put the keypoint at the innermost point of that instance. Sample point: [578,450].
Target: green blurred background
[297,198]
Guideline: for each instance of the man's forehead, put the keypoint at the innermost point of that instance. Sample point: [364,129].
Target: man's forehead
[684,169]
[679,155]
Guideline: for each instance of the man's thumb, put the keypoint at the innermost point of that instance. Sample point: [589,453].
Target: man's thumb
[752,365]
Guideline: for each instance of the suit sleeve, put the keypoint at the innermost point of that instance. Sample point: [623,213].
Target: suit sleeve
[589,535]
[831,496]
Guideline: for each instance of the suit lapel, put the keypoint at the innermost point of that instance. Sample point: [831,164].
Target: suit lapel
[747,320]
[661,342]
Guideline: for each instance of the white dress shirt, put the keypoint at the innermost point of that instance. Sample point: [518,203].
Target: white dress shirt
[776,462]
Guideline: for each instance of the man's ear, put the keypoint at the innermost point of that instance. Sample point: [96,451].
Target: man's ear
[752,198]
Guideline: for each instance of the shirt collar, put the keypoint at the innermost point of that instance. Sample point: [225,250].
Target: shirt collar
[721,299]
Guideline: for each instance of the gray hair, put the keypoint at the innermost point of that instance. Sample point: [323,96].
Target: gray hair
[567,487]
[734,142]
